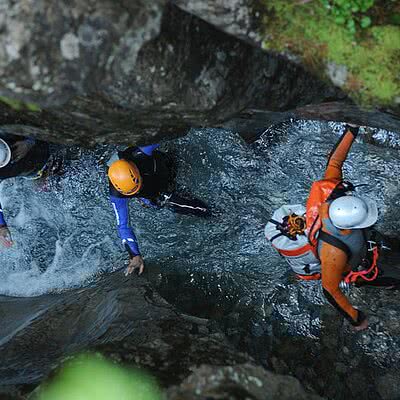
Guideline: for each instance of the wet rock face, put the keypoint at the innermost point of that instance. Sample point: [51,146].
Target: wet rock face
[388,386]
[173,350]
[139,72]
[129,323]
[135,71]
[238,382]
[240,18]
[253,22]
[36,332]
[52,50]
[193,360]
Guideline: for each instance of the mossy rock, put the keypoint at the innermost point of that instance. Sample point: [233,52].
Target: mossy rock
[371,58]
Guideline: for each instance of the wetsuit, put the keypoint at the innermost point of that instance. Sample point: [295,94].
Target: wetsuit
[156,170]
[32,163]
[335,262]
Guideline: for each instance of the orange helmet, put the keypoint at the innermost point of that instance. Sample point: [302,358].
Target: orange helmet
[125,177]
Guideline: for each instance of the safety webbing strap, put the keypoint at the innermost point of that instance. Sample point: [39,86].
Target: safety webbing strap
[334,241]
[275,222]
[312,277]
[276,237]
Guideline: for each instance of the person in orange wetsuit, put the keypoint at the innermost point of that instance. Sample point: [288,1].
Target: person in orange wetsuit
[338,226]
[342,244]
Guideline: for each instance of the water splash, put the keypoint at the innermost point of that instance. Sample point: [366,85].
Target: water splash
[66,237]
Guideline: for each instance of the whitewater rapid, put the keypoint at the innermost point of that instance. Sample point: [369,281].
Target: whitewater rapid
[65,233]
[220,268]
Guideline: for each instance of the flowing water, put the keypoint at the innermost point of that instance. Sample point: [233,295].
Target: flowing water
[65,232]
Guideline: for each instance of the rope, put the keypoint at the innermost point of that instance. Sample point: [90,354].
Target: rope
[294,225]
[354,275]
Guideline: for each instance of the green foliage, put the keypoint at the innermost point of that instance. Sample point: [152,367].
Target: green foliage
[395,19]
[32,107]
[18,105]
[14,104]
[91,377]
[310,32]
[349,13]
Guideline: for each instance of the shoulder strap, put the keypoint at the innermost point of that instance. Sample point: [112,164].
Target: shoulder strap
[276,237]
[334,241]
[311,234]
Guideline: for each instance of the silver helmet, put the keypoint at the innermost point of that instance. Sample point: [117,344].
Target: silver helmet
[350,212]
[5,153]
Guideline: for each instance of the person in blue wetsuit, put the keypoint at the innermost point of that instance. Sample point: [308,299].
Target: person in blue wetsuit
[146,174]
[19,156]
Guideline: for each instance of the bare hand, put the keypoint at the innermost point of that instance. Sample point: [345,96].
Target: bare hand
[5,237]
[362,326]
[135,263]
[20,149]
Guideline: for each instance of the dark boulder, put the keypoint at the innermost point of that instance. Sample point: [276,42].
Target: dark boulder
[127,321]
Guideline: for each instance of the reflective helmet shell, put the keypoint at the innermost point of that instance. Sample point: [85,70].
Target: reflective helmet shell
[125,177]
[5,153]
[350,212]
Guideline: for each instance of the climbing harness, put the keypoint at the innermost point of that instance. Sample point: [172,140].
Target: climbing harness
[367,274]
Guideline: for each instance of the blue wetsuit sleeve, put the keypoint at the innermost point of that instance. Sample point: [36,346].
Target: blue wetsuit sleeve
[30,140]
[147,202]
[148,150]
[2,220]
[125,232]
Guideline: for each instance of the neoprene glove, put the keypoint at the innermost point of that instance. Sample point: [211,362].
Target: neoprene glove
[353,129]
[361,317]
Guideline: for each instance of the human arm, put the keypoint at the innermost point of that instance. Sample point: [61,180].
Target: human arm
[148,150]
[5,236]
[333,267]
[2,220]
[128,237]
[340,152]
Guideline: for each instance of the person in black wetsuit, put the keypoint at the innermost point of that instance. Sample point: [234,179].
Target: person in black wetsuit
[19,156]
[146,174]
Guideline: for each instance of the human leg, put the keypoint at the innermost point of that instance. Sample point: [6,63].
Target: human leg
[184,205]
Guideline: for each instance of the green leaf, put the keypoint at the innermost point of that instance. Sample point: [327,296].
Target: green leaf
[366,5]
[13,103]
[365,22]
[340,20]
[33,107]
[351,24]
